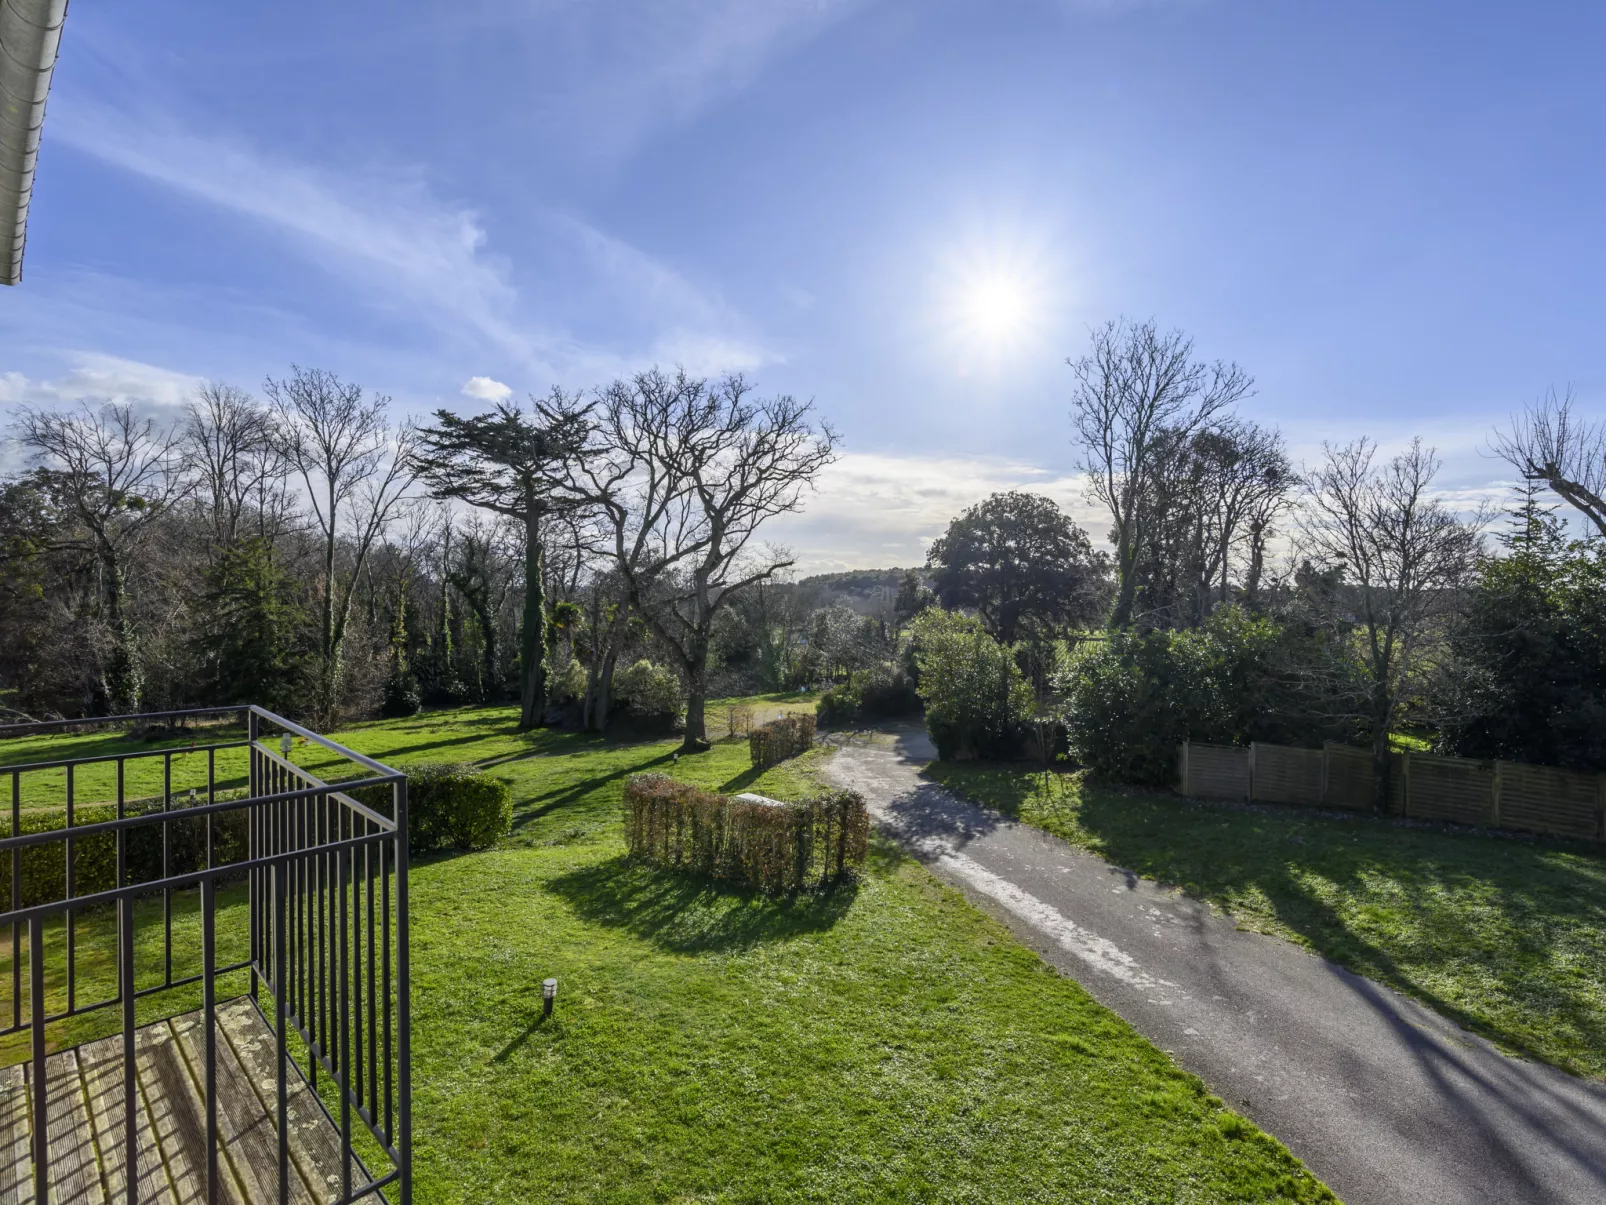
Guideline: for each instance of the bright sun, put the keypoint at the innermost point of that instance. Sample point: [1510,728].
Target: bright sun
[997,309]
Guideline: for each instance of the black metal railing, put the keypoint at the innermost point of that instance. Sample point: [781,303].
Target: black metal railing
[323,867]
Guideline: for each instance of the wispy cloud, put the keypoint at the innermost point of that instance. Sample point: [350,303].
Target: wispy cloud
[385,231]
[95,377]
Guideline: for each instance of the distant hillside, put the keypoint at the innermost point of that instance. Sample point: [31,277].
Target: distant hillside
[869,591]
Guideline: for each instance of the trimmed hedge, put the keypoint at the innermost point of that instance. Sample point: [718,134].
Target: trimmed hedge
[455,804]
[44,867]
[780,739]
[773,848]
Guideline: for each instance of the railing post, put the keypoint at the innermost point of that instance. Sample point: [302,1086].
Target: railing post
[280,876]
[404,1060]
[125,965]
[253,730]
[209,1008]
[36,1006]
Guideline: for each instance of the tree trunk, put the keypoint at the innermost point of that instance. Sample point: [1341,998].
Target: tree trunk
[1126,589]
[1382,712]
[532,628]
[696,666]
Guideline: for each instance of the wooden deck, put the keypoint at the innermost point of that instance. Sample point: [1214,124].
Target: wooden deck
[85,1120]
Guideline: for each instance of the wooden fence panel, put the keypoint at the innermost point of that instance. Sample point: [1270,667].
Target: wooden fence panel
[1215,771]
[1456,789]
[1283,774]
[1543,799]
[1349,778]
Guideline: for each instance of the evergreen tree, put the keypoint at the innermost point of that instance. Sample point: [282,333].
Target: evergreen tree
[252,642]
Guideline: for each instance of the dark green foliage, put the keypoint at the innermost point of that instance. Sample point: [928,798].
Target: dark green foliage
[402,694]
[870,694]
[454,804]
[1021,563]
[44,868]
[253,641]
[780,739]
[1130,700]
[1527,671]
[771,847]
[977,702]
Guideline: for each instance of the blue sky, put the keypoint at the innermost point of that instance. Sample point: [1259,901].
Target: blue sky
[1390,213]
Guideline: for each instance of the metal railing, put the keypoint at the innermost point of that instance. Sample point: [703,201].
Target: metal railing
[324,870]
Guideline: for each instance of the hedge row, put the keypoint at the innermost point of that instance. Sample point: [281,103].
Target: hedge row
[44,867]
[772,847]
[780,739]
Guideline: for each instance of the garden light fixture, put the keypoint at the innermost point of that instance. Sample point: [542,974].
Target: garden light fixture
[284,746]
[549,993]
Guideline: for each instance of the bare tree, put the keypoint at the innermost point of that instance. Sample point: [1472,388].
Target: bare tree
[356,470]
[1404,558]
[1550,443]
[116,474]
[1137,389]
[683,473]
[241,473]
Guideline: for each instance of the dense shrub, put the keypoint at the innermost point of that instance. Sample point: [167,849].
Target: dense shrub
[454,804]
[1131,699]
[780,739]
[977,702]
[648,691]
[879,693]
[44,875]
[402,696]
[569,683]
[772,847]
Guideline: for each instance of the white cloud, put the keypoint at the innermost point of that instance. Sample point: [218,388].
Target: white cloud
[874,510]
[487,389]
[96,377]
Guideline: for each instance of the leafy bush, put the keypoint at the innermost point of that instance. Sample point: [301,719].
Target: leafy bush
[650,691]
[44,873]
[977,702]
[402,694]
[878,693]
[569,683]
[1132,699]
[772,847]
[452,803]
[780,739]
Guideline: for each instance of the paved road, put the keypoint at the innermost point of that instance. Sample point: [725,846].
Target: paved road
[1383,1099]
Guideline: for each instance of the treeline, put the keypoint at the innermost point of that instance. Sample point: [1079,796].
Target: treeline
[590,558]
[1247,599]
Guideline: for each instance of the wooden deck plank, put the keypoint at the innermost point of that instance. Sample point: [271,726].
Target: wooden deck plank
[247,1128]
[74,1169]
[16,1163]
[178,1116]
[102,1066]
[314,1140]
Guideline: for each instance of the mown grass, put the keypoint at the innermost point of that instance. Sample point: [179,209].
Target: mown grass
[1505,936]
[883,1042]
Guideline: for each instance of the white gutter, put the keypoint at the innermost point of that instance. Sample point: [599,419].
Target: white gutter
[30,32]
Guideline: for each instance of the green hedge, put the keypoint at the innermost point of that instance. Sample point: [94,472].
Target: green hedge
[774,848]
[44,867]
[780,739]
[454,804]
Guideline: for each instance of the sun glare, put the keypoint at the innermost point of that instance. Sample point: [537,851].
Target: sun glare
[998,309]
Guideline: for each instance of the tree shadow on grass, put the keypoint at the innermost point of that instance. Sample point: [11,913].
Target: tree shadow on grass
[687,915]
[541,806]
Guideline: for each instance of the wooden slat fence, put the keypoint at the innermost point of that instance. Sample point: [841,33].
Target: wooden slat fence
[1423,786]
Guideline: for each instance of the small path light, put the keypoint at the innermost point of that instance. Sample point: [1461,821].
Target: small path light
[549,993]
[284,746]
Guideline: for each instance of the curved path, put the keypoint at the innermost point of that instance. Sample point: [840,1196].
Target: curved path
[1383,1099]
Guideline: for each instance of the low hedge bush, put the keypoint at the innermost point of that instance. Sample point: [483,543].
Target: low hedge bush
[454,804]
[44,867]
[771,847]
[780,739]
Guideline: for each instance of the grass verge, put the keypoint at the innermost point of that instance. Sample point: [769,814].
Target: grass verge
[1505,936]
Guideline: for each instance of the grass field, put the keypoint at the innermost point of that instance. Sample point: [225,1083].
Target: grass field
[884,1042]
[1507,937]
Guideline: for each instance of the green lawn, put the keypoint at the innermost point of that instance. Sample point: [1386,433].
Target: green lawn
[885,1042]
[1507,937]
